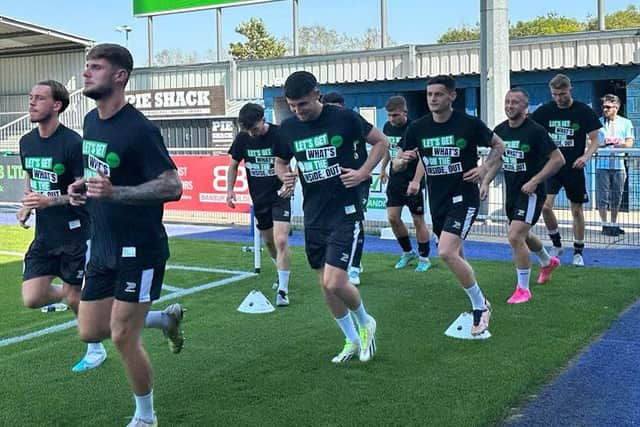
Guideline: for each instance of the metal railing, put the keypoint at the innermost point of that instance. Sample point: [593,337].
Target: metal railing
[73,116]
[492,221]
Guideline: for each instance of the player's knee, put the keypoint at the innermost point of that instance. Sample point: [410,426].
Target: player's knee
[394,219]
[32,300]
[547,209]
[73,298]
[281,243]
[515,238]
[448,254]
[123,338]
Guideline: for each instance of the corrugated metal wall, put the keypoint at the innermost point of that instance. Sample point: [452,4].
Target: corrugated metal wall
[25,71]
[186,134]
[245,79]
[379,64]
[214,74]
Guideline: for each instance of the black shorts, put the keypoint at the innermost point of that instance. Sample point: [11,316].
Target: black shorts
[280,210]
[574,184]
[133,281]
[397,197]
[66,262]
[525,207]
[364,188]
[335,246]
[455,218]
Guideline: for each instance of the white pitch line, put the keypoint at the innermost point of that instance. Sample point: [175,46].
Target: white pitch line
[170,288]
[9,253]
[181,292]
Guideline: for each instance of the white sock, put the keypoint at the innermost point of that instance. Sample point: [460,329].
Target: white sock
[144,407]
[476,297]
[543,257]
[523,277]
[361,315]
[156,320]
[283,281]
[423,258]
[95,347]
[348,328]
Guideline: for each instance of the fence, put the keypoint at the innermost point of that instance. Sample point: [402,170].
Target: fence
[492,221]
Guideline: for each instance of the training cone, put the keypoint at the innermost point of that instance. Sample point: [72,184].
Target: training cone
[255,302]
[461,329]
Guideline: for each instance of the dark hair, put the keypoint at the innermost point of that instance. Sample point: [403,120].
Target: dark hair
[114,54]
[560,81]
[333,98]
[249,115]
[58,93]
[300,84]
[446,81]
[609,97]
[522,91]
[396,103]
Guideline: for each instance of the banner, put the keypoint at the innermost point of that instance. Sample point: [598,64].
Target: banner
[160,7]
[12,179]
[204,185]
[175,103]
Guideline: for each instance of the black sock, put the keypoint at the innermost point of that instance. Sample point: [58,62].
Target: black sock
[423,249]
[405,243]
[556,239]
[578,248]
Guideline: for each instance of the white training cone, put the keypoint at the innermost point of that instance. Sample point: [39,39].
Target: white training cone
[255,302]
[461,329]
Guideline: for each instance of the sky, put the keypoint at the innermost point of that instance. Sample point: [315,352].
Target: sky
[409,21]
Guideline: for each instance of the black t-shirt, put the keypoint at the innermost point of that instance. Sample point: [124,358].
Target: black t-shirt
[527,149]
[52,164]
[399,179]
[259,159]
[567,127]
[321,147]
[129,149]
[448,150]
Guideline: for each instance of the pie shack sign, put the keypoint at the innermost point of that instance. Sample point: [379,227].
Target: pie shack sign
[176,103]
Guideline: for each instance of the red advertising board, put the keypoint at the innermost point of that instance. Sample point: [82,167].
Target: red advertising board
[204,185]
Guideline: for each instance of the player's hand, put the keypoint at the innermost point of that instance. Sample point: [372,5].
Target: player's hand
[285,192]
[580,162]
[484,190]
[529,187]
[352,177]
[77,192]
[99,186]
[475,175]
[22,216]
[231,198]
[384,178]
[408,155]
[35,200]
[289,180]
[413,188]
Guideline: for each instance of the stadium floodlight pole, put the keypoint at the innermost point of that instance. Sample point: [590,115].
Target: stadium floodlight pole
[601,23]
[150,39]
[383,23]
[125,29]
[296,48]
[219,34]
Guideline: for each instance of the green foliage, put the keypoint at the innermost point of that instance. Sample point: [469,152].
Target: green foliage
[460,34]
[552,23]
[626,18]
[259,44]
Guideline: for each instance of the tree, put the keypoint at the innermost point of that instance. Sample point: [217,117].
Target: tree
[175,57]
[543,25]
[259,44]
[627,18]
[317,39]
[460,34]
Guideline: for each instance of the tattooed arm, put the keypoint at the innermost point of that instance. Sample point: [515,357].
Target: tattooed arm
[166,187]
